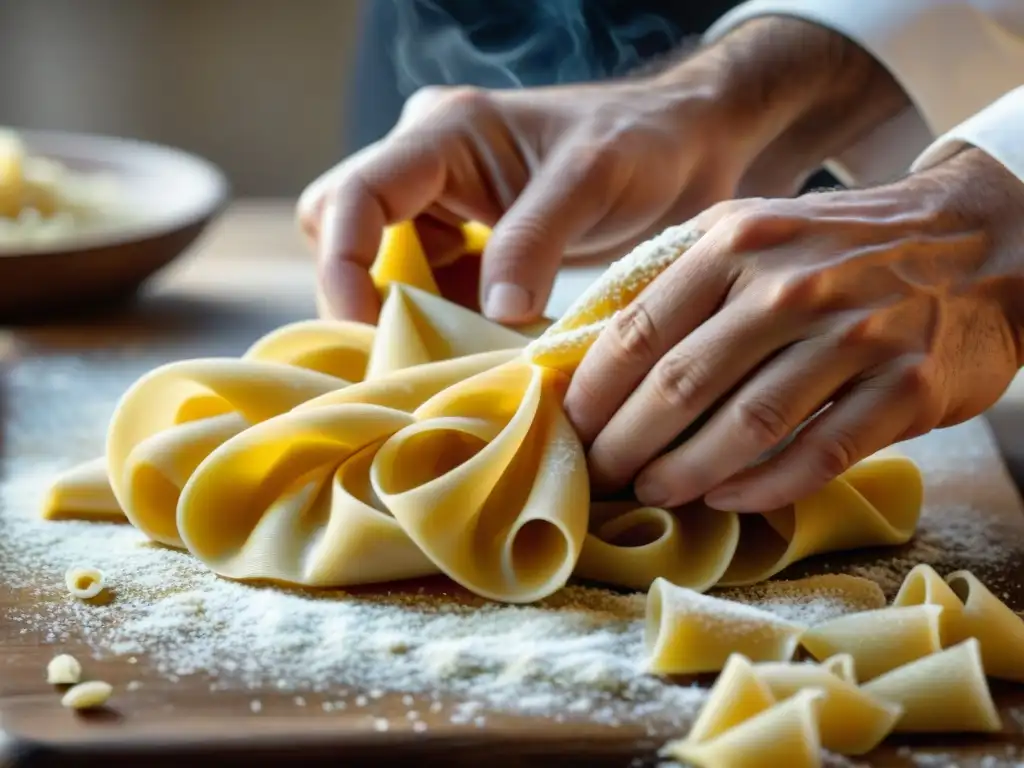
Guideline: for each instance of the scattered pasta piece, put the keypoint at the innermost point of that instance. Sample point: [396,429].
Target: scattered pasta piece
[84,583]
[83,493]
[878,640]
[90,695]
[687,632]
[943,693]
[970,610]
[784,734]
[851,720]
[63,670]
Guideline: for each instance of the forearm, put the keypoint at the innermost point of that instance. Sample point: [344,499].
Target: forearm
[797,91]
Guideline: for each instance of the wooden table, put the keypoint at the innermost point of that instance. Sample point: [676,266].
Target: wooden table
[248,276]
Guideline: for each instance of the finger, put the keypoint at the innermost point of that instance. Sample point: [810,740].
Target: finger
[568,196]
[873,415]
[396,183]
[765,410]
[688,380]
[666,311]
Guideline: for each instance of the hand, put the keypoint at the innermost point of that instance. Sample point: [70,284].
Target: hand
[584,172]
[896,307]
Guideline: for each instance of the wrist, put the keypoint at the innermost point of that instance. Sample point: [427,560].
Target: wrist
[988,200]
[792,93]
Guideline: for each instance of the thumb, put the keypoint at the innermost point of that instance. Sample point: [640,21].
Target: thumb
[564,201]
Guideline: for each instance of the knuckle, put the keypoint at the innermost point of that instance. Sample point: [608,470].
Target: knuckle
[679,384]
[441,99]
[633,335]
[833,455]
[916,381]
[763,420]
[745,230]
[795,292]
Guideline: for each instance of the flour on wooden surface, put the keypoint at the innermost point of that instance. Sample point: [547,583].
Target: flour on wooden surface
[578,654]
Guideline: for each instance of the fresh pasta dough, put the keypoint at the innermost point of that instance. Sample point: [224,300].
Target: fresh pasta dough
[878,640]
[850,720]
[335,453]
[945,692]
[878,501]
[83,493]
[687,632]
[742,724]
[969,609]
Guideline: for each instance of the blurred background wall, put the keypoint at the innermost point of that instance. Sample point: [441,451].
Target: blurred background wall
[257,86]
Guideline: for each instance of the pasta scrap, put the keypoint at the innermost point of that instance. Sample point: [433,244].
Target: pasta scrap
[91,695]
[945,692]
[756,732]
[84,583]
[970,610]
[878,640]
[688,633]
[63,670]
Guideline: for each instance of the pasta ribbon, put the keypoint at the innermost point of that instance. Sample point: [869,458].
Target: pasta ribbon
[876,502]
[335,453]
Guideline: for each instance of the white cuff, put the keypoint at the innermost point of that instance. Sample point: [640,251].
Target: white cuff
[998,130]
[951,58]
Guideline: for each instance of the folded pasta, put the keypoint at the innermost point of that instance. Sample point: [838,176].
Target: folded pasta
[335,453]
[687,632]
[743,724]
[970,610]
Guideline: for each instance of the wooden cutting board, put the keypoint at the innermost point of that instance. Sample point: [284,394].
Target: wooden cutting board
[248,278]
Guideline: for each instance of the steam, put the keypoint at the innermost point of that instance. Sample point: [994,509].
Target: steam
[518,43]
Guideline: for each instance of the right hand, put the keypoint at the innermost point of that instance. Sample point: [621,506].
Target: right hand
[582,172]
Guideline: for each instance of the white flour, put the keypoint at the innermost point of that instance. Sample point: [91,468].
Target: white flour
[577,654]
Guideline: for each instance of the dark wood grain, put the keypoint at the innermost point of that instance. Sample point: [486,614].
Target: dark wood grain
[250,276]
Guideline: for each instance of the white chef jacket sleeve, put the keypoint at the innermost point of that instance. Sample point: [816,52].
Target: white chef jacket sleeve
[960,62]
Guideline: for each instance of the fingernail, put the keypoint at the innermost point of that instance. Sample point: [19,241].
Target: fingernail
[507,302]
[651,493]
[724,500]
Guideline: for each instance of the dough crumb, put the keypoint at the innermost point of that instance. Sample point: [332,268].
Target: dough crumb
[63,670]
[90,695]
[84,583]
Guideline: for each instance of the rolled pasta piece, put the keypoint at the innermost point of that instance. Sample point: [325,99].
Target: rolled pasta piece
[851,721]
[786,734]
[970,610]
[842,666]
[943,693]
[563,345]
[692,548]
[289,501]
[83,493]
[687,632]
[491,483]
[878,640]
[923,586]
[999,631]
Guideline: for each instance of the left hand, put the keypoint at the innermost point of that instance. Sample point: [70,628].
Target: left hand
[897,307]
